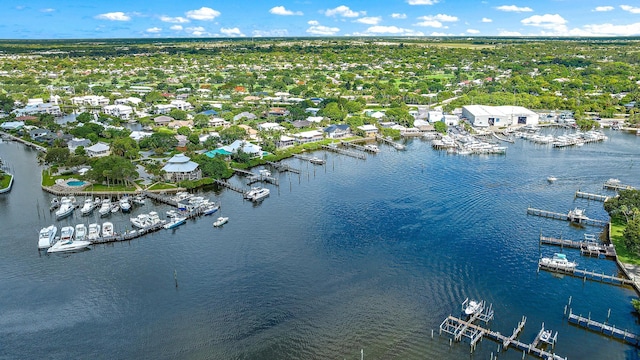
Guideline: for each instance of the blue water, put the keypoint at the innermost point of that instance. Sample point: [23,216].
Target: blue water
[352,255]
[75,183]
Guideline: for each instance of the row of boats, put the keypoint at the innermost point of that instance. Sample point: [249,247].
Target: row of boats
[467,145]
[66,205]
[72,238]
[569,139]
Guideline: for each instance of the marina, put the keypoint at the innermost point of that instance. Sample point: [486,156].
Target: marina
[585,274]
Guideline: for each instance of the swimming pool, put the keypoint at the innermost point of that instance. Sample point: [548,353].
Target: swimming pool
[75,183]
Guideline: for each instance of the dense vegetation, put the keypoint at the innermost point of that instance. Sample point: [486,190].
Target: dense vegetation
[626,208]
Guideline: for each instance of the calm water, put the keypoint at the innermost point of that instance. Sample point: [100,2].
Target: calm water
[355,255]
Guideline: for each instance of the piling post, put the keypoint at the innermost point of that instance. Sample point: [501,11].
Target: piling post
[175,276]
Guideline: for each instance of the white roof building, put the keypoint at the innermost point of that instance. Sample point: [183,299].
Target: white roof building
[182,105]
[130,100]
[180,167]
[485,116]
[124,112]
[98,150]
[138,135]
[90,100]
[246,147]
[270,126]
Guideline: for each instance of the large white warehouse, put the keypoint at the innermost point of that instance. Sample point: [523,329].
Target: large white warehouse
[484,115]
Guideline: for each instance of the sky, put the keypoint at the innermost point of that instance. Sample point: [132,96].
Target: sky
[93,19]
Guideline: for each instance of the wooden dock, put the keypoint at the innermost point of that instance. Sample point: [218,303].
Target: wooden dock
[587,248]
[357,147]
[587,275]
[161,198]
[229,186]
[566,217]
[603,328]
[396,145]
[353,154]
[283,167]
[589,196]
[128,235]
[616,185]
[254,178]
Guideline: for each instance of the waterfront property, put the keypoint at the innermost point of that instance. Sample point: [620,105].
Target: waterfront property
[180,167]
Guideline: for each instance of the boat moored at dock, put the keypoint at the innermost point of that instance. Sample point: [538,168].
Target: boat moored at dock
[94,231]
[257,193]
[81,232]
[88,207]
[107,229]
[47,236]
[558,261]
[67,243]
[66,208]
[175,222]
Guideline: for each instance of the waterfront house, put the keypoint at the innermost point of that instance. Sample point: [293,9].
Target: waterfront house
[138,135]
[123,112]
[180,167]
[308,136]
[90,100]
[74,143]
[39,134]
[369,130]
[246,147]
[285,141]
[38,108]
[12,125]
[98,150]
[337,131]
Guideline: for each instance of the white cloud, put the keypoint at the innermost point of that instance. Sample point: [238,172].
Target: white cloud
[369,20]
[175,20]
[473,31]
[322,30]
[486,20]
[514,8]
[509,33]
[429,23]
[176,27]
[232,32]
[114,16]
[197,31]
[607,30]
[204,13]
[47,10]
[313,22]
[439,17]
[603,8]
[546,21]
[422,2]
[154,30]
[631,9]
[399,16]
[280,10]
[271,33]
[344,11]
[379,29]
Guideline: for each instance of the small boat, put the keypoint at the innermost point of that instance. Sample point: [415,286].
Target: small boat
[257,193]
[105,208]
[125,205]
[372,148]
[55,203]
[66,208]
[171,213]
[264,173]
[81,232]
[94,232]
[88,207]
[115,208]
[473,307]
[551,179]
[138,200]
[175,222]
[66,242]
[47,236]
[576,215]
[211,208]
[221,221]
[558,261]
[317,161]
[107,229]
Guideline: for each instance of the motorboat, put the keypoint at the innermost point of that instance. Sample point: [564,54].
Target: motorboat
[66,208]
[171,213]
[154,219]
[55,203]
[221,221]
[211,208]
[94,232]
[175,222]
[138,200]
[47,236]
[88,207]
[317,161]
[472,307]
[125,205]
[264,173]
[115,208]
[372,148]
[257,193]
[107,229]
[551,179]
[67,243]
[558,261]
[81,232]
[105,207]
[141,221]
[576,215]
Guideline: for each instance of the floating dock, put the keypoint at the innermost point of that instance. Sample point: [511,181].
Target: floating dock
[604,328]
[570,216]
[353,154]
[589,196]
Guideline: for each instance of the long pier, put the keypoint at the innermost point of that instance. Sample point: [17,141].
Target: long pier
[575,142]
[357,147]
[283,167]
[254,178]
[603,328]
[616,185]
[230,186]
[587,248]
[566,217]
[353,154]
[396,145]
[587,275]
[21,140]
[589,196]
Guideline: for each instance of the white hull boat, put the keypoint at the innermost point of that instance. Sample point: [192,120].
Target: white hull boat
[81,232]
[175,222]
[94,232]
[558,261]
[211,208]
[47,237]
[257,193]
[66,209]
[88,207]
[473,307]
[66,242]
[107,229]
[125,205]
[105,208]
[221,221]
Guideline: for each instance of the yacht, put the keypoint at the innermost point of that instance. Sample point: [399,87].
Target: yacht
[221,221]
[372,148]
[125,205]
[115,207]
[88,207]
[175,222]
[141,221]
[66,242]
[105,208]
[558,261]
[94,232]
[107,229]
[138,200]
[47,236]
[66,208]
[81,232]
[211,208]
[257,193]
[473,307]
[55,203]
[154,218]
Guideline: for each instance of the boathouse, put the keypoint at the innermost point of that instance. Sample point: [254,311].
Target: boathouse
[180,167]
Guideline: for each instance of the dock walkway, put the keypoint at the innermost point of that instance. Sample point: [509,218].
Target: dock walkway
[353,154]
[230,186]
[587,248]
[21,140]
[396,145]
[589,196]
[283,167]
[566,217]
[603,328]
[587,275]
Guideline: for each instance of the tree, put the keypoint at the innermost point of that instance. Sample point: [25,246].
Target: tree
[57,155]
[215,167]
[125,147]
[632,236]
[153,97]
[84,117]
[114,168]
[440,127]
[183,130]
[178,114]
[79,151]
[333,112]
[193,138]
[200,121]
[231,134]
[159,142]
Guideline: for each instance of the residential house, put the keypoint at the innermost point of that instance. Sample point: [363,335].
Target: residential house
[74,143]
[312,111]
[38,108]
[299,124]
[278,111]
[124,112]
[269,126]
[308,136]
[139,135]
[245,146]
[216,121]
[285,141]
[99,149]
[369,130]
[39,134]
[337,131]
[182,105]
[244,115]
[163,108]
[180,123]
[12,125]
[163,120]
[251,132]
[180,167]
[128,101]
[90,100]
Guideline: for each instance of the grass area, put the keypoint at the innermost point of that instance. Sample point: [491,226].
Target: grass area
[162,186]
[625,256]
[5,180]
[112,188]
[48,180]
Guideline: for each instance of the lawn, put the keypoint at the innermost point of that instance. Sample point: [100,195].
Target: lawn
[617,229]
[48,180]
[112,188]
[4,182]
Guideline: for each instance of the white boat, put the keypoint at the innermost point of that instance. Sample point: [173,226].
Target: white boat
[47,236]
[171,213]
[317,161]
[558,261]
[88,207]
[175,222]
[138,200]
[551,179]
[141,221]
[94,232]
[107,229]
[125,205]
[105,208]
[55,203]
[154,218]
[81,232]
[211,208]
[257,193]
[545,335]
[66,242]
[115,208]
[473,307]
[66,208]
[372,148]
[221,221]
